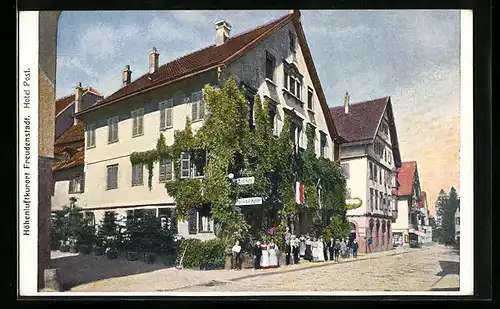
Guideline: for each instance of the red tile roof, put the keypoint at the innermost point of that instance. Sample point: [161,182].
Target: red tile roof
[406,175]
[77,157]
[213,56]
[361,123]
[64,102]
[206,58]
[73,134]
[71,142]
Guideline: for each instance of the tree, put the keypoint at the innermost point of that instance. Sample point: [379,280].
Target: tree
[446,205]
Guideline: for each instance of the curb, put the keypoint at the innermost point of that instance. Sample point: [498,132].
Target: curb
[282,272]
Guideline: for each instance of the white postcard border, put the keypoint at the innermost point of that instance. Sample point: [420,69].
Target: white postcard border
[28,152]
[28,244]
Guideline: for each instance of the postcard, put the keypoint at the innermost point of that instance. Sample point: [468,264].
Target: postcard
[300,152]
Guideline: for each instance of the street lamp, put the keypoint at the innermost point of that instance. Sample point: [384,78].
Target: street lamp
[230,176]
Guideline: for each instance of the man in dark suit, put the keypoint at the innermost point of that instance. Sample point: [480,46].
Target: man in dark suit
[257,252]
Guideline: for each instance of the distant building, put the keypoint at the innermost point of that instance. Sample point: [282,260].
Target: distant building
[69,151]
[410,212]
[424,222]
[369,159]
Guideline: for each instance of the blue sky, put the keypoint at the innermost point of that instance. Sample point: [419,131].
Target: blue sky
[413,56]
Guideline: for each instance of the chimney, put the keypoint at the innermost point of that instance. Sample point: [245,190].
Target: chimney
[222,30]
[78,100]
[154,57]
[346,102]
[126,75]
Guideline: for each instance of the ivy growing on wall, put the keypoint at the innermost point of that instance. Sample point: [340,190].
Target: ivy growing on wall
[232,146]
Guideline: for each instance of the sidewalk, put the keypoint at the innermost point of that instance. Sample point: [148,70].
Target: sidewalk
[172,279]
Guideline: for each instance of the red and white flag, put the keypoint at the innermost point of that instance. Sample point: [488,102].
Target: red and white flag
[299,193]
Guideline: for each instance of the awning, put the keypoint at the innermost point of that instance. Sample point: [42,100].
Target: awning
[422,234]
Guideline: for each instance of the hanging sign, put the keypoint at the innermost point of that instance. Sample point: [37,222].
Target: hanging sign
[244,181]
[249,201]
[353,203]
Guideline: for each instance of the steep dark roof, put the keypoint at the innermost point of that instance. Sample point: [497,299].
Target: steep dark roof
[362,121]
[359,126]
[203,59]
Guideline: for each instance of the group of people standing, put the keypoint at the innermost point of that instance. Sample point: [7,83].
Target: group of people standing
[305,247]
[266,255]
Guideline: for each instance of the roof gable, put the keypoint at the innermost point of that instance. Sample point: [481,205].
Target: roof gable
[362,121]
[313,74]
[361,124]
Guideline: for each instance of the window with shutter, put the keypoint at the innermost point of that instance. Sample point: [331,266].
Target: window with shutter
[165,173]
[113,130]
[112,177]
[194,111]
[192,227]
[137,122]
[166,111]
[185,165]
[91,135]
[137,175]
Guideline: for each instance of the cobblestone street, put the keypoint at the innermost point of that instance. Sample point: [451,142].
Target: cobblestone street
[427,268]
[417,270]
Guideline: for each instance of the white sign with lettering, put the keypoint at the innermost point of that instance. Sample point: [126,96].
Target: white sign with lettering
[244,180]
[249,201]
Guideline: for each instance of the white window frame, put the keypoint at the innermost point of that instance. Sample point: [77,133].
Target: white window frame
[76,184]
[137,122]
[197,103]
[165,173]
[113,130]
[166,114]
[310,91]
[188,169]
[137,175]
[90,135]
[108,187]
[204,224]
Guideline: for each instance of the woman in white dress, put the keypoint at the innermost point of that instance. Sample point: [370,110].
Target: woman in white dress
[321,255]
[315,250]
[273,258]
[264,259]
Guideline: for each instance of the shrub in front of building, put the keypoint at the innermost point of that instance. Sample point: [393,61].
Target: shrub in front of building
[199,254]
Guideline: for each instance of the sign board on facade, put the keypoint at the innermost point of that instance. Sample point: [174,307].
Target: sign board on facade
[249,201]
[244,181]
[353,203]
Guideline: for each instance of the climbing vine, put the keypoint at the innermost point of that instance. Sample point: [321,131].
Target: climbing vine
[232,146]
